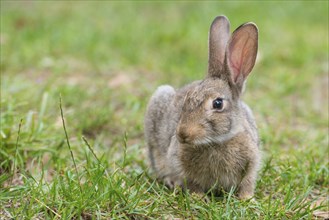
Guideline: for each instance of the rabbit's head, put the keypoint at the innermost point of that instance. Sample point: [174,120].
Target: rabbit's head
[212,112]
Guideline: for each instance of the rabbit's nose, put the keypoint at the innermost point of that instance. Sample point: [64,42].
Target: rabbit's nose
[187,134]
[182,136]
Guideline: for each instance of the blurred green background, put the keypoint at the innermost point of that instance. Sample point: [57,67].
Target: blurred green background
[106,58]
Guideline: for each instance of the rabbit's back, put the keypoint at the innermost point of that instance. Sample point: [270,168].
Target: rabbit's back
[157,128]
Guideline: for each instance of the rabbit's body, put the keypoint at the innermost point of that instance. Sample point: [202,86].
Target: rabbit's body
[203,136]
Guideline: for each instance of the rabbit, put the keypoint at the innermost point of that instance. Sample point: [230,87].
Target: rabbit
[202,137]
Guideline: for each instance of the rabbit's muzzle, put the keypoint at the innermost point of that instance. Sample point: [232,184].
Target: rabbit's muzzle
[188,134]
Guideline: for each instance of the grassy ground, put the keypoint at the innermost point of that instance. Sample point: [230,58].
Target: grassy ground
[105,59]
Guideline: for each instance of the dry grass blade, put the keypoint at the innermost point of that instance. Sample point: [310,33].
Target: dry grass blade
[321,214]
[55,213]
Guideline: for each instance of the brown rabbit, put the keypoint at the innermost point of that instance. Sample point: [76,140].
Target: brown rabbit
[203,136]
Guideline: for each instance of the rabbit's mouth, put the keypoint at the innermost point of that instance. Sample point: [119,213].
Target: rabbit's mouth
[184,138]
[217,139]
[211,141]
[205,141]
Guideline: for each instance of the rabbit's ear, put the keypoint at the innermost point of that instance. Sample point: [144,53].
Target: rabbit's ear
[219,34]
[241,52]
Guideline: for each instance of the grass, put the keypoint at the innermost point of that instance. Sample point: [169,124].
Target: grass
[105,59]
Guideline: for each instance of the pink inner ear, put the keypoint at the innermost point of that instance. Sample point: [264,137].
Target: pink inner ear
[235,60]
[242,51]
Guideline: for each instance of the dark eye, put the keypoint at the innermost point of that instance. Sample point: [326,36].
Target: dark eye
[218,104]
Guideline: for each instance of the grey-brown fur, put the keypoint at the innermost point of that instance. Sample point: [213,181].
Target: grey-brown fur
[195,145]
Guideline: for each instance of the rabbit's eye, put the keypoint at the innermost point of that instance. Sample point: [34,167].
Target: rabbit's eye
[218,104]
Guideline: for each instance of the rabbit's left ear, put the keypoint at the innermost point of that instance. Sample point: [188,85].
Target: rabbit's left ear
[219,34]
[241,52]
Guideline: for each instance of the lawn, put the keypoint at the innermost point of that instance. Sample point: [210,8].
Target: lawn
[97,64]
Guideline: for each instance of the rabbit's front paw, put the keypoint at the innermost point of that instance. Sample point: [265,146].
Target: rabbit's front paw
[171,182]
[245,196]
